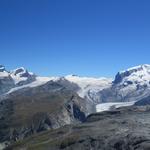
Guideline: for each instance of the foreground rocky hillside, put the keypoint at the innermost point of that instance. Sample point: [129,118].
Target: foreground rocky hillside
[31,110]
[126,128]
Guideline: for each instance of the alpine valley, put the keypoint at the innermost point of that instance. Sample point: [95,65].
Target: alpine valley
[73,112]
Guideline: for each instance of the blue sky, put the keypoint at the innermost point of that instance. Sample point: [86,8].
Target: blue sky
[84,37]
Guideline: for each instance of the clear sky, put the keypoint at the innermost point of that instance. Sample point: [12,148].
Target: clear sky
[84,37]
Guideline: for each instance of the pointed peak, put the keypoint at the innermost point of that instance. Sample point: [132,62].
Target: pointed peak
[137,71]
[137,68]
[21,72]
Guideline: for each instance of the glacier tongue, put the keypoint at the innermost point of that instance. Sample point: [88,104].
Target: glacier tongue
[109,106]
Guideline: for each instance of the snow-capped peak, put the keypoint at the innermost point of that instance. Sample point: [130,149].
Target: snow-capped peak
[138,73]
[144,67]
[21,72]
[21,75]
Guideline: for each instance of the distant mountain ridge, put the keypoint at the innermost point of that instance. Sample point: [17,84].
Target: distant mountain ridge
[20,78]
[131,83]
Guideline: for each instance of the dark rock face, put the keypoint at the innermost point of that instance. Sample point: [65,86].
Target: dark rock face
[122,129]
[78,114]
[119,77]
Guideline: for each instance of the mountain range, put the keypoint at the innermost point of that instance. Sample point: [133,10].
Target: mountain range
[30,104]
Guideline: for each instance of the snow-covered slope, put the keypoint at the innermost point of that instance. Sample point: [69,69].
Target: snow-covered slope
[89,87]
[37,82]
[129,85]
